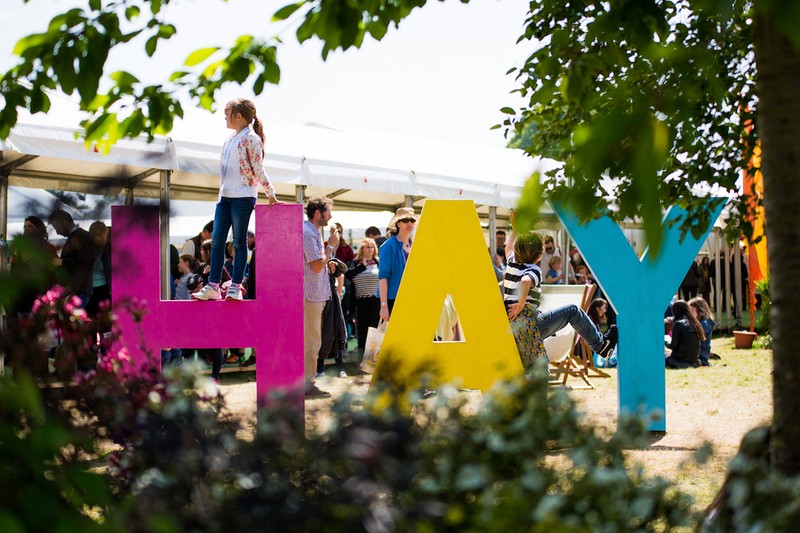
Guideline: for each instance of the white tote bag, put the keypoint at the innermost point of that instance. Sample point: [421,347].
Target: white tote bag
[373,347]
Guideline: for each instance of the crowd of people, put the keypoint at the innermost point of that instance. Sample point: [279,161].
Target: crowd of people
[348,291]
[83,268]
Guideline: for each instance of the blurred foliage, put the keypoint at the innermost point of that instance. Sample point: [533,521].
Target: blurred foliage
[175,461]
[764,323]
[755,496]
[642,102]
[45,482]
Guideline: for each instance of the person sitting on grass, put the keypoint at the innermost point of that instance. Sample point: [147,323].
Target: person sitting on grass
[702,311]
[522,295]
[687,333]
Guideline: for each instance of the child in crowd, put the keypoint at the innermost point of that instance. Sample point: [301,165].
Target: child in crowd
[687,333]
[522,295]
[241,171]
[554,272]
[702,312]
[187,265]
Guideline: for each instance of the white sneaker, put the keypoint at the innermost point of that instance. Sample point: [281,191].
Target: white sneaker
[342,374]
[207,293]
[234,293]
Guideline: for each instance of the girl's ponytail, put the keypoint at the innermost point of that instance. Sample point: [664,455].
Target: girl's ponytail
[258,127]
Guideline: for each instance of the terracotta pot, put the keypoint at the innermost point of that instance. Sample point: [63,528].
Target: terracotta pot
[744,339]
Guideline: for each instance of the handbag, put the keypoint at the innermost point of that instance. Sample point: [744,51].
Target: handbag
[373,347]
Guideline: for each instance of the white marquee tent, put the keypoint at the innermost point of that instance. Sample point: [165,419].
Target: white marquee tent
[359,170]
[362,171]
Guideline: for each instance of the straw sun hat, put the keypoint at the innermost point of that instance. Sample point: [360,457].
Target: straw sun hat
[400,214]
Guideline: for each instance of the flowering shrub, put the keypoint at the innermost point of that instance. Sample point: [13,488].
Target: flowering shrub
[178,462]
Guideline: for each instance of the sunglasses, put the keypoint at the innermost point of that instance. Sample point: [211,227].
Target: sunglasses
[407,220]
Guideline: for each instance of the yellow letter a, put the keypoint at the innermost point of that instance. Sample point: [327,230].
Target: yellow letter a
[448,256]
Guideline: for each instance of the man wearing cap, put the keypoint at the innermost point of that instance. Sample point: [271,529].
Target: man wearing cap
[316,285]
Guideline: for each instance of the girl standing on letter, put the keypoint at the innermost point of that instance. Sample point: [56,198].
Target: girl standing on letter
[241,171]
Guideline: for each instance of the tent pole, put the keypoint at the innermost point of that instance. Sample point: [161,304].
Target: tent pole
[727,288]
[4,173]
[128,195]
[409,200]
[492,232]
[300,194]
[737,276]
[717,274]
[3,236]
[164,224]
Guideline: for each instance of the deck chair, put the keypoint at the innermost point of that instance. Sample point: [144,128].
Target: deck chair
[560,346]
[582,353]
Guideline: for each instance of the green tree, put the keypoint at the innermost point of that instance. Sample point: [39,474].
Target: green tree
[642,101]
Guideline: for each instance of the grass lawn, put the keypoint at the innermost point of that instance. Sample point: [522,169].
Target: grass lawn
[717,405]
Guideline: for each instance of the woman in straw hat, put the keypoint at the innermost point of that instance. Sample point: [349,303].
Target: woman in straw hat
[394,254]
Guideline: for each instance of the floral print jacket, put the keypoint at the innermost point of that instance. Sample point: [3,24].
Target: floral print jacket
[251,162]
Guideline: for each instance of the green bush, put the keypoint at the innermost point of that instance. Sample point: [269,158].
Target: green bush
[755,497]
[763,324]
[45,482]
[173,461]
[517,463]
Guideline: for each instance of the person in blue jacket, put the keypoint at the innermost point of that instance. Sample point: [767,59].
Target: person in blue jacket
[394,255]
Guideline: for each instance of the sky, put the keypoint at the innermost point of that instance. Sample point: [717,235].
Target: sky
[441,75]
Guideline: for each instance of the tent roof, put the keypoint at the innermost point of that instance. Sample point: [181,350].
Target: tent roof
[361,170]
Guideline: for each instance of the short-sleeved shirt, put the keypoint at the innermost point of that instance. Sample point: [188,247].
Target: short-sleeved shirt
[515,273]
[316,286]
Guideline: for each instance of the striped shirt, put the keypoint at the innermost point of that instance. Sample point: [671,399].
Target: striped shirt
[515,273]
[316,285]
[366,282]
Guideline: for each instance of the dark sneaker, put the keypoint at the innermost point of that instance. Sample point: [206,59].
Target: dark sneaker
[250,361]
[609,342]
[314,392]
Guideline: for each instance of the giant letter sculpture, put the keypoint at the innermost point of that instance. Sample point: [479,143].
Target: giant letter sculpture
[449,256]
[640,291]
[272,322]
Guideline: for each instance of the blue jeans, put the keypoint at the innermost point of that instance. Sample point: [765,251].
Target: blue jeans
[173,356]
[230,212]
[551,321]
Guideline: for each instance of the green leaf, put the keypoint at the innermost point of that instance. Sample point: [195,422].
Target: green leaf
[272,73]
[287,11]
[132,12]
[530,201]
[39,101]
[123,79]
[165,31]
[377,29]
[150,46]
[212,68]
[31,41]
[508,111]
[198,56]
[177,75]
